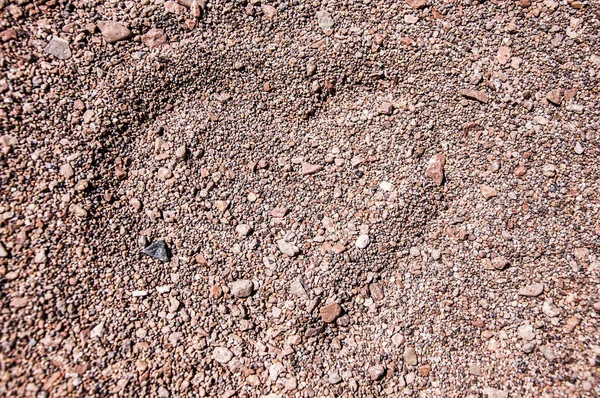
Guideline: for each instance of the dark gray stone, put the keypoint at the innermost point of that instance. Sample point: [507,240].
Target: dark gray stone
[158,250]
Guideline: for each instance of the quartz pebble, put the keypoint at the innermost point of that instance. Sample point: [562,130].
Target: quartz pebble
[242,288]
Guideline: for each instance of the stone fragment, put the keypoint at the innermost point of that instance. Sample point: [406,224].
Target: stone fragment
[221,205]
[488,192]
[113,31]
[520,171]
[424,370]
[435,168]
[362,241]
[222,355]
[67,171]
[325,21]
[164,173]
[8,35]
[154,38]
[386,108]
[3,252]
[410,356]
[97,331]
[480,96]
[503,55]
[417,4]
[578,148]
[571,323]
[19,302]
[173,7]
[499,262]
[269,11]
[297,289]
[334,377]
[376,291]
[386,186]
[287,248]
[548,353]
[158,250]
[549,170]
[308,169]
[550,309]
[376,372]
[532,290]
[279,212]
[490,392]
[526,332]
[555,97]
[59,48]
[243,229]
[398,339]
[195,10]
[242,288]
[329,313]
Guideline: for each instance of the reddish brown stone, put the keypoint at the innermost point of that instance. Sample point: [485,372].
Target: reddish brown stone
[329,313]
[435,168]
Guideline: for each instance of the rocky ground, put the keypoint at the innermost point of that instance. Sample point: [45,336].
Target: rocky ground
[300,199]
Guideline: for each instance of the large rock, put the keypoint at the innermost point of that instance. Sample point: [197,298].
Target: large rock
[113,31]
[59,48]
[242,288]
[158,250]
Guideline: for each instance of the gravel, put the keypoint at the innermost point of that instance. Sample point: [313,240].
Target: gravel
[350,198]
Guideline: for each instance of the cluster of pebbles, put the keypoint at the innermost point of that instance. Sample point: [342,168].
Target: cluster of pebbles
[300,199]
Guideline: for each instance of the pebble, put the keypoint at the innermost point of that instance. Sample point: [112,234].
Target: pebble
[242,288]
[435,168]
[334,377]
[410,356]
[297,288]
[164,173]
[490,392]
[19,302]
[325,21]
[287,248]
[221,205]
[571,323]
[417,4]
[376,372]
[526,332]
[329,313]
[578,148]
[97,331]
[139,293]
[549,170]
[550,309]
[555,97]
[386,186]
[532,290]
[243,229]
[488,192]
[113,31]
[59,48]
[398,339]
[499,262]
[158,250]
[154,38]
[269,11]
[548,352]
[386,108]
[480,96]
[222,355]
[3,252]
[424,370]
[376,291]
[503,55]
[67,171]
[308,169]
[362,241]
[520,171]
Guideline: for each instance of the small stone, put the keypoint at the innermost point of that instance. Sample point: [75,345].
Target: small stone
[571,323]
[488,192]
[222,355]
[411,19]
[164,173]
[398,339]
[386,108]
[436,255]
[480,96]
[113,31]
[578,148]
[376,372]
[376,291]
[499,262]
[242,288]
[528,347]
[139,293]
[8,35]
[520,171]
[297,289]
[549,170]
[435,168]
[555,97]
[158,250]
[490,392]
[526,332]
[3,252]
[548,353]
[532,290]
[195,10]
[154,38]
[67,171]
[221,205]
[173,7]
[97,331]
[120,174]
[279,212]
[362,241]
[19,302]
[334,377]
[503,55]
[378,39]
[524,3]
[416,4]
[414,251]
[287,248]
[424,370]
[243,229]
[325,21]
[550,309]
[163,289]
[216,291]
[40,257]
[269,11]
[59,48]
[475,369]
[329,313]
[410,356]
[386,186]
[308,169]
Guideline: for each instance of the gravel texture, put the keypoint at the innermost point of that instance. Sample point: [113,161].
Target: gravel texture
[346,198]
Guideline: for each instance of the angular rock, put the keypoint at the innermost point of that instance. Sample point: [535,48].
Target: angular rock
[329,313]
[526,332]
[158,250]
[416,4]
[269,11]
[410,356]
[550,309]
[376,372]
[243,229]
[532,290]
[242,288]
[488,192]
[308,169]
[3,252]
[555,97]
[154,38]
[325,20]
[435,168]
[297,289]
[59,48]
[113,31]
[386,108]
[499,262]
[490,392]
[287,248]
[503,55]
[480,96]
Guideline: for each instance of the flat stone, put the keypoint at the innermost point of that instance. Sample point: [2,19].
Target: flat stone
[329,313]
[490,392]
[97,331]
[243,229]
[325,20]
[164,173]
[222,355]
[221,205]
[578,148]
[526,332]
[503,55]
[362,241]
[334,377]
[424,370]
[549,170]
[499,262]
[571,323]
[3,252]
[555,97]
[480,96]
[139,293]
[308,169]
[67,171]
[376,372]
[19,302]
[548,353]
[242,288]
[416,4]
[532,290]
[488,192]
[154,38]
[386,108]
[376,291]
[287,248]
[279,212]
[269,11]
[113,31]
[297,289]
[158,250]
[435,168]
[386,186]
[410,356]
[59,48]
